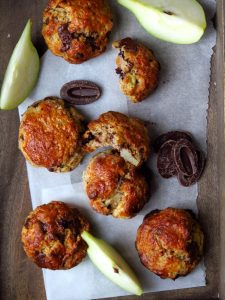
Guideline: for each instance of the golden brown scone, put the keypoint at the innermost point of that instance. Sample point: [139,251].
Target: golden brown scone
[170,242]
[127,135]
[138,69]
[51,236]
[114,186]
[50,135]
[77,30]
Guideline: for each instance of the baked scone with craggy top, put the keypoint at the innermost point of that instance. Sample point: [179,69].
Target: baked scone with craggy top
[114,186]
[51,236]
[170,242]
[138,69]
[50,135]
[126,134]
[77,30]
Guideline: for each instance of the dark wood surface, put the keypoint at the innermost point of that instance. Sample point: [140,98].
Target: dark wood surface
[19,278]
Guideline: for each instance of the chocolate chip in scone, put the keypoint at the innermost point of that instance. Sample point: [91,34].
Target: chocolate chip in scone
[120,72]
[65,37]
[79,55]
[90,40]
[88,138]
[43,227]
[75,35]
[108,34]
[80,92]
[185,157]
[165,162]
[128,44]
[172,135]
[46,21]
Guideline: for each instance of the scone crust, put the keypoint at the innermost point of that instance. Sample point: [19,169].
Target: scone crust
[138,69]
[115,187]
[170,242]
[49,135]
[51,236]
[77,30]
[121,133]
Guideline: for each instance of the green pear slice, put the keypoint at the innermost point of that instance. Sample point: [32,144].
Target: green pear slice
[175,21]
[22,72]
[111,264]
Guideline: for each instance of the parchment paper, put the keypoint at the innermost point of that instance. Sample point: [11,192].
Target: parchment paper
[180,102]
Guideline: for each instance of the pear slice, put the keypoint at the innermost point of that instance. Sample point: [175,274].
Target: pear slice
[22,72]
[111,264]
[175,21]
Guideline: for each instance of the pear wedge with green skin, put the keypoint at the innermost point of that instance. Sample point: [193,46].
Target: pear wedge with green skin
[111,264]
[175,21]
[22,72]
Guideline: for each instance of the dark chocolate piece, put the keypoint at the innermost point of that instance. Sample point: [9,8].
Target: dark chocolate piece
[80,92]
[172,135]
[190,180]
[165,162]
[185,157]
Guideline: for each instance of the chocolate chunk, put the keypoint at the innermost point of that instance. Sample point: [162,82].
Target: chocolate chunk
[185,157]
[63,223]
[60,237]
[75,35]
[121,54]
[76,227]
[40,258]
[80,92]
[65,37]
[172,135]
[128,44]
[91,41]
[179,156]
[43,226]
[46,21]
[87,139]
[190,180]
[120,72]
[165,162]
[79,55]
[108,35]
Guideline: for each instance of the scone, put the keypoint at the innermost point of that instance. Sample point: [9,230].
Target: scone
[127,135]
[138,69]
[114,186]
[77,30]
[50,135]
[170,242]
[51,236]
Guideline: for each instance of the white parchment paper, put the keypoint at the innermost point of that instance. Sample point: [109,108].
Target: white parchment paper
[180,102]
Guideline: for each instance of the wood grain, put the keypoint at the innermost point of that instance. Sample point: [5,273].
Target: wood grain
[19,278]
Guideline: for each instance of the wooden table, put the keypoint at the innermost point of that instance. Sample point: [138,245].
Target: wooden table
[19,278]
